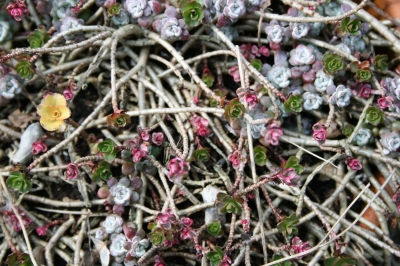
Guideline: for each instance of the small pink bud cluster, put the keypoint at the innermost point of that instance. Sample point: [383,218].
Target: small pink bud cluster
[186,231]
[200,125]
[166,219]
[319,133]
[226,261]
[250,51]
[385,102]
[69,91]
[157,138]
[299,246]
[234,72]
[158,261]
[10,217]
[42,230]
[236,159]
[18,10]
[362,90]
[177,169]
[272,134]
[353,163]
[38,147]
[72,171]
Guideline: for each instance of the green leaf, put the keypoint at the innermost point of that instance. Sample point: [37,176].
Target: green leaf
[374,116]
[18,181]
[192,13]
[278,257]
[232,204]
[260,155]
[257,64]
[25,69]
[363,75]
[381,62]
[342,260]
[114,9]
[287,225]
[294,104]
[293,162]
[109,149]
[103,172]
[348,130]
[333,63]
[156,237]
[215,228]
[234,109]
[216,256]
[202,154]
[38,38]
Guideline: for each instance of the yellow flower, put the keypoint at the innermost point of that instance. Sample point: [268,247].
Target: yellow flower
[53,111]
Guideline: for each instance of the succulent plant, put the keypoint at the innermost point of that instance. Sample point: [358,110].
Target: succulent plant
[10,85]
[341,97]
[60,8]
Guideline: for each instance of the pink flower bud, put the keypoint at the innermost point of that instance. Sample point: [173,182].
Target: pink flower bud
[72,171]
[38,147]
[264,51]
[353,163]
[319,132]
[157,138]
[41,231]
[385,102]
[68,94]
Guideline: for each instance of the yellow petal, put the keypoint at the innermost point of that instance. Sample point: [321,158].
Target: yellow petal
[65,112]
[50,125]
[46,111]
[54,99]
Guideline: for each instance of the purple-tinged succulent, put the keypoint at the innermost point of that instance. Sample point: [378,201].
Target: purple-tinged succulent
[362,90]
[171,28]
[299,29]
[302,55]
[234,9]
[69,22]
[60,8]
[322,81]
[312,101]
[122,193]
[257,113]
[122,19]
[138,8]
[390,142]
[341,97]
[362,137]
[289,177]
[355,43]
[166,219]
[157,138]
[385,102]
[177,169]
[272,134]
[279,76]
[392,85]
[136,246]
[276,33]
[353,163]
[117,248]
[112,224]
[10,86]
[5,31]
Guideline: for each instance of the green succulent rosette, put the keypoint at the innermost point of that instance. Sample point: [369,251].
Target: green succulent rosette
[192,13]
[216,256]
[232,204]
[363,75]
[202,154]
[114,10]
[109,149]
[215,228]
[374,116]
[381,62]
[234,109]
[333,63]
[293,162]
[103,172]
[24,69]
[38,38]
[294,104]
[260,155]
[18,181]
